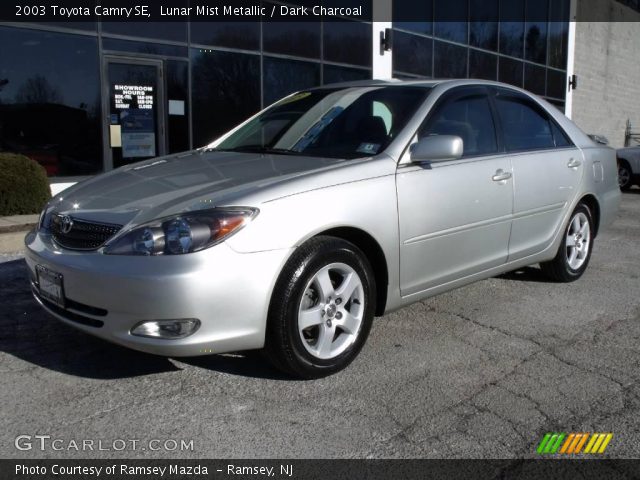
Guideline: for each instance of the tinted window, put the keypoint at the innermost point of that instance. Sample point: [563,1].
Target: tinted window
[534,78]
[444,65]
[245,35]
[174,31]
[446,16]
[556,84]
[292,38]
[483,28]
[347,42]
[335,74]
[50,100]
[412,54]
[144,47]
[524,124]
[482,65]
[300,75]
[469,118]
[512,30]
[225,91]
[536,32]
[558,33]
[510,71]
[561,139]
[177,78]
[413,16]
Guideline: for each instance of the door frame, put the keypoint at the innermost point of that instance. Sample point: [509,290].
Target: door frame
[106,103]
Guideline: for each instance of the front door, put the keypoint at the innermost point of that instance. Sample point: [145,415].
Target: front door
[134,113]
[455,216]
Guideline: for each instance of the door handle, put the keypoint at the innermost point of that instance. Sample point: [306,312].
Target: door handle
[573,163]
[501,175]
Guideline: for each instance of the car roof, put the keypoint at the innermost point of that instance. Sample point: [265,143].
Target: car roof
[418,82]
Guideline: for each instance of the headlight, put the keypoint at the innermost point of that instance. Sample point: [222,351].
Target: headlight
[44,220]
[186,233]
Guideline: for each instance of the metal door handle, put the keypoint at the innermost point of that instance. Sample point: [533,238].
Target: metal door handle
[501,175]
[574,163]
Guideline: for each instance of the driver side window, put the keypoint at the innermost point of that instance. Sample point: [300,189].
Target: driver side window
[468,117]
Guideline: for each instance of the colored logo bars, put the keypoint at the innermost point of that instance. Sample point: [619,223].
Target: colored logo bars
[573,443]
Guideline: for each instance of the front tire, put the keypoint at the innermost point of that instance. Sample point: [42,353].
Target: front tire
[322,309]
[574,253]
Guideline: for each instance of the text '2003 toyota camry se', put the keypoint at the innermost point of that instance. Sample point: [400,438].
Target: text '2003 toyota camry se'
[334,205]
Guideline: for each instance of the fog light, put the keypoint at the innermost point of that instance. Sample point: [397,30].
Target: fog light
[171,329]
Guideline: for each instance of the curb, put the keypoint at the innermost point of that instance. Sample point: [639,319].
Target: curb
[12,242]
[21,227]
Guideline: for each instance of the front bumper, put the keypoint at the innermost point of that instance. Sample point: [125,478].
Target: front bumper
[229,292]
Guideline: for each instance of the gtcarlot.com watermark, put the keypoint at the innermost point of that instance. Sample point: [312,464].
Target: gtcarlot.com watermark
[44,443]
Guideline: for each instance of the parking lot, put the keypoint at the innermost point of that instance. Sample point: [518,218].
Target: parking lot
[480,372]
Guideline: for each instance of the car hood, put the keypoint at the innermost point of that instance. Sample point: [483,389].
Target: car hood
[196,180]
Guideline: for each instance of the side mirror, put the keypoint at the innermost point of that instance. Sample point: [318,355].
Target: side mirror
[437,148]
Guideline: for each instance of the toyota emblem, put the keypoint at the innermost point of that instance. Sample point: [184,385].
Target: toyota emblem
[66,224]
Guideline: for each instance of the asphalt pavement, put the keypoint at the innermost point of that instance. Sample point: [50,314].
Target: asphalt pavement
[481,372]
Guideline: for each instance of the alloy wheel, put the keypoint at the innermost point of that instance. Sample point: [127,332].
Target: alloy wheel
[578,240]
[331,311]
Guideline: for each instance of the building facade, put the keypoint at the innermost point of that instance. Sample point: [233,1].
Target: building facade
[86,97]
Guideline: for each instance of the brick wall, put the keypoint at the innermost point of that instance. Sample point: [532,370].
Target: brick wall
[607,63]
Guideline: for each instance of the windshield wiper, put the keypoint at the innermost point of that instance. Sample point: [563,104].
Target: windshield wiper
[257,149]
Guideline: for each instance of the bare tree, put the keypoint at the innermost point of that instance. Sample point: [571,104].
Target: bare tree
[38,90]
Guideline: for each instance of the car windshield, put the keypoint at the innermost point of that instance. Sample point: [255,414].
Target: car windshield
[329,122]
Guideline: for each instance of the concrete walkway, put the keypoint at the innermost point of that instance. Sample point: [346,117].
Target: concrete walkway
[12,232]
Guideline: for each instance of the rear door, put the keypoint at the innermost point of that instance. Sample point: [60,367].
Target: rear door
[547,170]
[455,216]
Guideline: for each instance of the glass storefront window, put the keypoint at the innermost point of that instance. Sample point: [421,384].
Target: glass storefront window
[347,42]
[556,84]
[512,29]
[336,74]
[50,99]
[483,24]
[225,91]
[412,54]
[292,38]
[177,75]
[241,35]
[446,20]
[413,16]
[172,31]
[299,75]
[443,67]
[482,65]
[534,79]
[535,40]
[510,71]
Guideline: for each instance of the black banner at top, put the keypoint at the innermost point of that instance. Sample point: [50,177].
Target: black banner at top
[424,11]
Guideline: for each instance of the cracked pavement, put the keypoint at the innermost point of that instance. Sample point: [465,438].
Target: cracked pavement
[480,372]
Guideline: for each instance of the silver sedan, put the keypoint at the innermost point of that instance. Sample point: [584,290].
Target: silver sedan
[291,232]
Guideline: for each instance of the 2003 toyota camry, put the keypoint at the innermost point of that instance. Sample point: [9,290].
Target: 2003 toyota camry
[334,205]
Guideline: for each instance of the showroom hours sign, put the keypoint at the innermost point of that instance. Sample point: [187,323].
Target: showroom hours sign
[135,116]
[139,96]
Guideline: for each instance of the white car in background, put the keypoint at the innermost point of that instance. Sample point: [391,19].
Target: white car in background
[628,166]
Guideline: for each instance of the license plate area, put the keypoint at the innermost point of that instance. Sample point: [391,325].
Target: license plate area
[50,285]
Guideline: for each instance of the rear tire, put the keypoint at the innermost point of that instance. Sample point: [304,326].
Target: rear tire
[574,252]
[321,310]
[625,176]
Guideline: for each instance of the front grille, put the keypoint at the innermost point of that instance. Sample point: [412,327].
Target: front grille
[75,234]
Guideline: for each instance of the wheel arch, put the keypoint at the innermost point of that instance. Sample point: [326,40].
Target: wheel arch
[374,253]
[592,203]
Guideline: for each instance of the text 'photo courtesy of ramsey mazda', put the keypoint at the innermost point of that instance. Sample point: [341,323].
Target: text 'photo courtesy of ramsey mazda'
[335,205]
